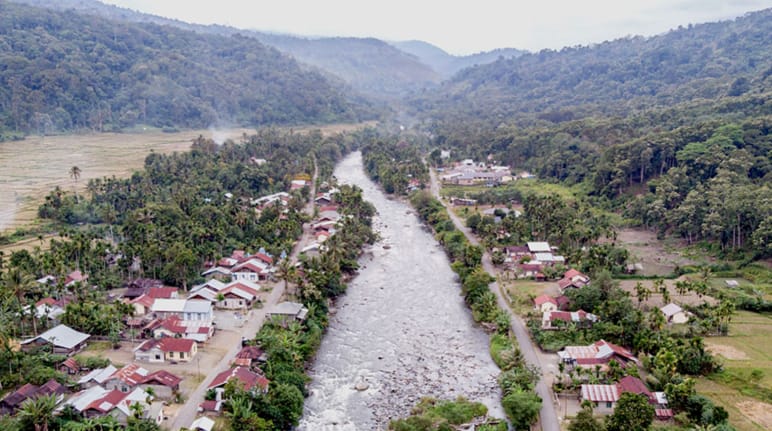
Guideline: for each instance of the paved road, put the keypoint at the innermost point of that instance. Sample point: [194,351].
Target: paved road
[548,417]
[188,412]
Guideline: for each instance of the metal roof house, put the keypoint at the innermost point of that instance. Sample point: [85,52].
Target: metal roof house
[62,338]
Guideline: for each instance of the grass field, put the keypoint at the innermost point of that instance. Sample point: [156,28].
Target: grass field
[744,388]
[31,168]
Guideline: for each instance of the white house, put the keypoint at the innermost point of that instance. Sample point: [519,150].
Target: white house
[62,338]
[675,314]
[185,309]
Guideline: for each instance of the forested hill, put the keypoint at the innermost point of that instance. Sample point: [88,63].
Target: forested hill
[447,64]
[368,65]
[60,70]
[617,77]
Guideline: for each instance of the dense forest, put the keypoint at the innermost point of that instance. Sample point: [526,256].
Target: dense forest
[63,71]
[689,156]
[614,77]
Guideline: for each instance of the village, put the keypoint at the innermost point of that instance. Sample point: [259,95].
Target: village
[178,349]
[566,316]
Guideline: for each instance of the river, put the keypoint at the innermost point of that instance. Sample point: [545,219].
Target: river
[402,328]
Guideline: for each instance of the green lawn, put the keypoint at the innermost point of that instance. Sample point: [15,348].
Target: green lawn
[747,375]
[521,292]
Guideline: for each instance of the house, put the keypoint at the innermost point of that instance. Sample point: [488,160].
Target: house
[70,366]
[732,283]
[75,277]
[247,379]
[238,295]
[63,339]
[96,377]
[163,383]
[538,247]
[250,270]
[599,353]
[573,279]
[202,423]
[140,286]
[142,304]
[200,331]
[298,184]
[249,356]
[166,349]
[185,309]
[218,273]
[13,401]
[561,319]
[287,312]
[675,314]
[605,397]
[50,308]
[545,303]
[97,401]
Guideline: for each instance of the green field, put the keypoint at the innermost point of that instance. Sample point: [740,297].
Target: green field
[744,388]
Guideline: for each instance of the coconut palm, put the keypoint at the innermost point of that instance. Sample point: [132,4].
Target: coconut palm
[37,413]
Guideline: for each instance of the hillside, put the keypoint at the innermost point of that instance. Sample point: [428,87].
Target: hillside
[448,65]
[60,70]
[617,77]
[368,65]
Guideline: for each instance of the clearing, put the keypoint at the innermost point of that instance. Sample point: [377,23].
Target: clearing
[657,257]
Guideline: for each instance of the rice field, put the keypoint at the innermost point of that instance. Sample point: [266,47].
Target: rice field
[743,388]
[31,168]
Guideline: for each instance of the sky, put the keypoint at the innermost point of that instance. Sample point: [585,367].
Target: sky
[457,26]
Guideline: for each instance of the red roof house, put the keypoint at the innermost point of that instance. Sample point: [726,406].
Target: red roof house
[248,379]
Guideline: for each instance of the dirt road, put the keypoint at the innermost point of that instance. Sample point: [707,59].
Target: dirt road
[548,417]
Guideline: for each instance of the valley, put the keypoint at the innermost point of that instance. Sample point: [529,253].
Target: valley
[396,230]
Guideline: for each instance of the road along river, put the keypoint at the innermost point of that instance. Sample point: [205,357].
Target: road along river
[402,331]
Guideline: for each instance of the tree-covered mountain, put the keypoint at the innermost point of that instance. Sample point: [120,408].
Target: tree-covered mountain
[617,77]
[447,64]
[674,132]
[368,65]
[62,70]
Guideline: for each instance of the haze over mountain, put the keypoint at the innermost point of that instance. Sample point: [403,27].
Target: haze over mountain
[448,64]
[370,66]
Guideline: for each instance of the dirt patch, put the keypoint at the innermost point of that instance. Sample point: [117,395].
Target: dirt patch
[655,300]
[657,257]
[758,412]
[728,352]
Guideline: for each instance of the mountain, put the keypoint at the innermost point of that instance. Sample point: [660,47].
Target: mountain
[705,61]
[62,70]
[446,64]
[370,66]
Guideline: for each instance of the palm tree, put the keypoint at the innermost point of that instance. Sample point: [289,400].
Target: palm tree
[642,293]
[38,413]
[75,175]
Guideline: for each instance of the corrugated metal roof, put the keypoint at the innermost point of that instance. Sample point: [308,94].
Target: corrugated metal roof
[600,393]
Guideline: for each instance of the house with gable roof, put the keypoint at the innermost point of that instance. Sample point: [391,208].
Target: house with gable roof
[166,350]
[62,339]
[605,397]
[163,383]
[599,353]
